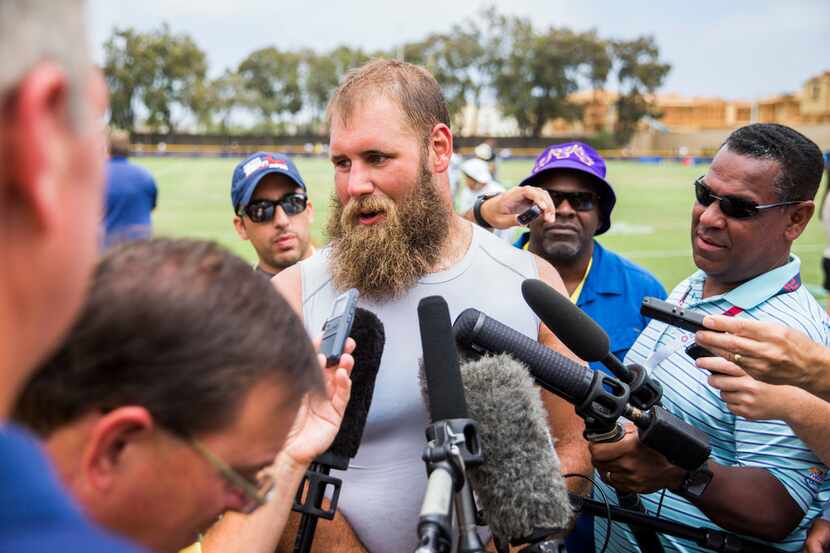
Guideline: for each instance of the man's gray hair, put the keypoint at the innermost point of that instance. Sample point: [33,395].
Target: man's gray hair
[32,31]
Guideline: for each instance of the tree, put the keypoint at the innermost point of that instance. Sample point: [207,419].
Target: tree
[162,70]
[533,73]
[271,77]
[178,74]
[126,66]
[639,74]
[321,75]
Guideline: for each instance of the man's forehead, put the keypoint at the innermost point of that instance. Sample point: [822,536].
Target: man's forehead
[275,183]
[562,180]
[743,173]
[371,118]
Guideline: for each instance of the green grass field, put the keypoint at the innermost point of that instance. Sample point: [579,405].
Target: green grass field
[650,222]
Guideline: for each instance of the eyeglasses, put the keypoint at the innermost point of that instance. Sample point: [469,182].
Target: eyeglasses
[256,494]
[263,211]
[736,208]
[580,201]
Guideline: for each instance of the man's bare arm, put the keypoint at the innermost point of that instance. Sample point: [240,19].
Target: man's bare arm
[566,426]
[289,283]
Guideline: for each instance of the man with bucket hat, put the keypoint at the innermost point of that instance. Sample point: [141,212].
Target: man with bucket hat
[608,287]
[271,209]
[605,285]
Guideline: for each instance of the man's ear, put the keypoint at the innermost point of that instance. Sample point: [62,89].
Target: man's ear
[111,438]
[39,124]
[239,225]
[799,217]
[440,147]
[310,210]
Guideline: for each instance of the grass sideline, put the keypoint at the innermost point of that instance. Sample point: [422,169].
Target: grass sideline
[651,220]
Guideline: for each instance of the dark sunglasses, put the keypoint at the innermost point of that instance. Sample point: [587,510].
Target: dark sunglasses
[580,201]
[736,208]
[263,211]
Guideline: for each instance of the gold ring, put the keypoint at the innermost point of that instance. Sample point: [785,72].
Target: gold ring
[608,476]
[738,358]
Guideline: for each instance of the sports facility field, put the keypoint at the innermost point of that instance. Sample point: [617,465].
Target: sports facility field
[650,222]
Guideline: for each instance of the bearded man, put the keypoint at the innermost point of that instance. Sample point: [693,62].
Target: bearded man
[395,238]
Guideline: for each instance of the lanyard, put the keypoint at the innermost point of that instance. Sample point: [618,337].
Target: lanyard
[578,289]
[685,338]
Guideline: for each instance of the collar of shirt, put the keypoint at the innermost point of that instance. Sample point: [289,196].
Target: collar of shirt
[604,278]
[752,292]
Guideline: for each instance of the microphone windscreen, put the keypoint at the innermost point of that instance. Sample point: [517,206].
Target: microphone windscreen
[519,486]
[440,359]
[367,332]
[577,330]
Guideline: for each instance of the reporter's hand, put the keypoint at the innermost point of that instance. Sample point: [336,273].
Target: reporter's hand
[767,351]
[502,211]
[630,466]
[818,538]
[746,396]
[320,415]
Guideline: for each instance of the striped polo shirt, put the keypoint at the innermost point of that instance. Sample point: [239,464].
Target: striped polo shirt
[773,296]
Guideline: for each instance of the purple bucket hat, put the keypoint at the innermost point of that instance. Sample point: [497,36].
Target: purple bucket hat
[579,157]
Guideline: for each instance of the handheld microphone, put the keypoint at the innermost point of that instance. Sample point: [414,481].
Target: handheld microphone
[370,338]
[588,340]
[452,437]
[519,486]
[598,398]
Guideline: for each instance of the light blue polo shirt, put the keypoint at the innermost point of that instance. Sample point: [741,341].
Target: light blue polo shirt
[773,296]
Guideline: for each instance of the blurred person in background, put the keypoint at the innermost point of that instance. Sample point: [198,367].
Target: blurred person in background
[272,211]
[478,182]
[131,194]
[824,215]
[52,156]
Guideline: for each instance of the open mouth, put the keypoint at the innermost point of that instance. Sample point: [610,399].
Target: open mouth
[370,217]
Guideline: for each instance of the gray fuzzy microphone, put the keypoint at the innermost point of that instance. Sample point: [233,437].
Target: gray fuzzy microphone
[519,487]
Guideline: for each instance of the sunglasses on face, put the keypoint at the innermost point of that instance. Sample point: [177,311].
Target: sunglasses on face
[736,208]
[580,201]
[263,211]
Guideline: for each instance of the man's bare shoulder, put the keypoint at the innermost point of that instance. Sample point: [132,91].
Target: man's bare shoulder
[288,282]
[549,274]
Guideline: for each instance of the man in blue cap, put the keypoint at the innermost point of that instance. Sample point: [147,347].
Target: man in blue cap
[272,210]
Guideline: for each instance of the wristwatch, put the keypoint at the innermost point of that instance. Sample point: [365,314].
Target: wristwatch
[695,482]
[477,210]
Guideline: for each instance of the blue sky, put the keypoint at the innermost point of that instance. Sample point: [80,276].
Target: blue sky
[734,49]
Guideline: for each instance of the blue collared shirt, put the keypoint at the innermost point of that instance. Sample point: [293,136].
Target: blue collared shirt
[774,296]
[131,197]
[612,295]
[36,514]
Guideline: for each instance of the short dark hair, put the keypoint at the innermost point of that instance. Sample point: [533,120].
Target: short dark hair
[798,157]
[413,88]
[180,327]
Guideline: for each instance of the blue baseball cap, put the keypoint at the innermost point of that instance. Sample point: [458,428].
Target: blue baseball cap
[581,157]
[249,172]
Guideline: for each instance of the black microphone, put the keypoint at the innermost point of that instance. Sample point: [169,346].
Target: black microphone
[599,398]
[519,486]
[370,338]
[587,339]
[452,438]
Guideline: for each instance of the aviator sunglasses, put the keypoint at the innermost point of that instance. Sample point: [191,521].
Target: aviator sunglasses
[736,208]
[579,201]
[263,211]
